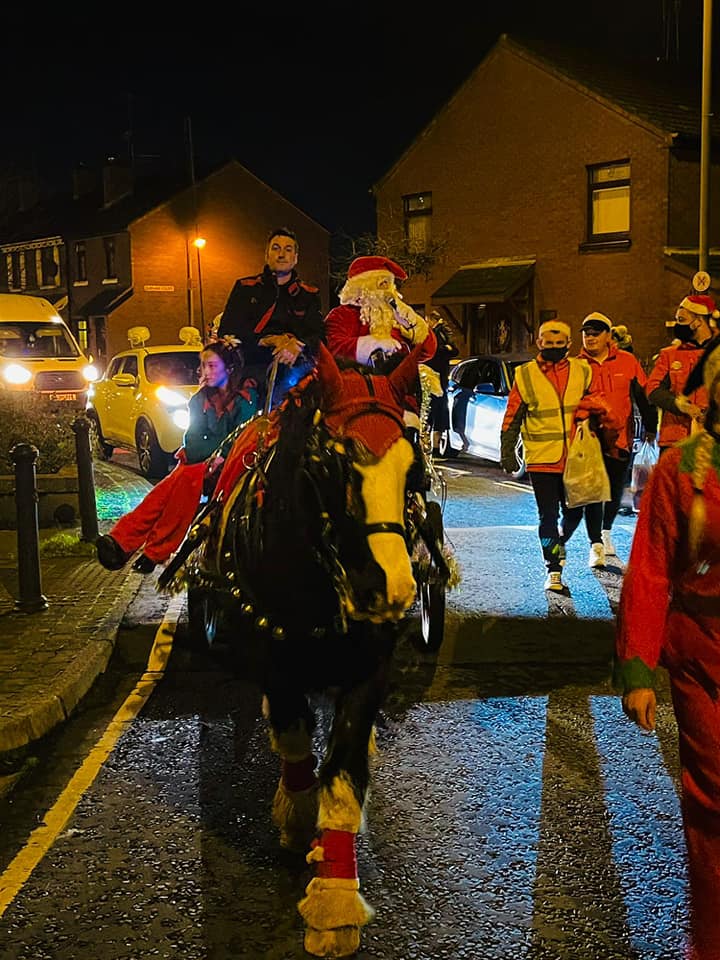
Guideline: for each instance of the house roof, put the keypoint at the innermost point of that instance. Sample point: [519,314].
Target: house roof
[489,281]
[661,94]
[655,94]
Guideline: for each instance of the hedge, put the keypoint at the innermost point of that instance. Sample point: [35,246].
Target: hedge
[29,418]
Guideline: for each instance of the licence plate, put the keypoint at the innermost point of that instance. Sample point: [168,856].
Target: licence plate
[62,395]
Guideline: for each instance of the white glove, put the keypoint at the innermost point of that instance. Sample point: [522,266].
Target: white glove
[369,344]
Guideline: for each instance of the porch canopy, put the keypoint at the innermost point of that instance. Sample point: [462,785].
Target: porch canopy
[487,281]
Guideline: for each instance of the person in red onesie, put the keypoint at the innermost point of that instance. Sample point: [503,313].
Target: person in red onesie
[669,615]
[226,400]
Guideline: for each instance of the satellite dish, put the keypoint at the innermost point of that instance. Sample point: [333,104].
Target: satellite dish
[701,281]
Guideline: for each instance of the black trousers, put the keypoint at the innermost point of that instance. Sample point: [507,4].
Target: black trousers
[550,499]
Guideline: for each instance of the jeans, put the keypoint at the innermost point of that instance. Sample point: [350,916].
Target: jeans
[550,499]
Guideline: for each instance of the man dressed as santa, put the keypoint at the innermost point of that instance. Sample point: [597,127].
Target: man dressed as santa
[373,322]
[372,318]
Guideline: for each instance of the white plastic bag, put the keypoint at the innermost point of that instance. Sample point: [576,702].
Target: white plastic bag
[645,460]
[585,477]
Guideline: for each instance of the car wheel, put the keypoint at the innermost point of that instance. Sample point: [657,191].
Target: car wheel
[98,444]
[520,455]
[445,446]
[431,589]
[152,459]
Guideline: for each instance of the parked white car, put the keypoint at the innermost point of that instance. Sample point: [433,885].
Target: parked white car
[477,393]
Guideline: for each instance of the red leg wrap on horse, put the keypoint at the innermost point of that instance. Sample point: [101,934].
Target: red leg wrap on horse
[339,855]
[300,775]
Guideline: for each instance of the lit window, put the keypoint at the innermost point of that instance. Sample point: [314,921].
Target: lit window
[609,201]
[48,266]
[16,275]
[418,219]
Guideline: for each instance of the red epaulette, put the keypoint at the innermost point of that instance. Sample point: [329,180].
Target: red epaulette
[251,281]
[309,287]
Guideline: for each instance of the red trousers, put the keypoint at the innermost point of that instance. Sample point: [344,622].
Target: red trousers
[162,518]
[696,703]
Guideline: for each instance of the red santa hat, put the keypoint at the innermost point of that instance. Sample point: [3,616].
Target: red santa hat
[369,264]
[700,304]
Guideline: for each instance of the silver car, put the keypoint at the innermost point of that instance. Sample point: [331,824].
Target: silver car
[477,394]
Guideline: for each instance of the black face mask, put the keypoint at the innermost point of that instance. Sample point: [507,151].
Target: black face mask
[554,354]
[683,332]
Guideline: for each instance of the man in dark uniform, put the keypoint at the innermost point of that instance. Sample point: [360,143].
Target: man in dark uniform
[275,314]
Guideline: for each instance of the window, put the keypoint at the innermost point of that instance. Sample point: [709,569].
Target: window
[110,269]
[609,202]
[17,279]
[417,210]
[80,262]
[47,262]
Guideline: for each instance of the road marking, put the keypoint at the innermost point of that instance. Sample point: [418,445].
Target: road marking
[515,486]
[41,840]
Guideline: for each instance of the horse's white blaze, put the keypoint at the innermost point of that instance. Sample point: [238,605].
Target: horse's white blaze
[383,492]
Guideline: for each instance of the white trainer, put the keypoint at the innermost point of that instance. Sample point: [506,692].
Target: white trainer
[597,555]
[609,546]
[554,581]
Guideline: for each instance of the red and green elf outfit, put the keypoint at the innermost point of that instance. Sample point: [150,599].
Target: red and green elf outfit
[669,615]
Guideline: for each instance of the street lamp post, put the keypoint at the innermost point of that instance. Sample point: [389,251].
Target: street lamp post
[199,243]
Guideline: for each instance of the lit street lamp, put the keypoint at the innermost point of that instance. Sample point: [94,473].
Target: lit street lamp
[199,243]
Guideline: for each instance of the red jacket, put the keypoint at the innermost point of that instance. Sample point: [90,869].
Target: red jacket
[622,380]
[667,381]
[343,326]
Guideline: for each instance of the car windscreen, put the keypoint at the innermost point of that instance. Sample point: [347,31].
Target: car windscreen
[28,340]
[173,369]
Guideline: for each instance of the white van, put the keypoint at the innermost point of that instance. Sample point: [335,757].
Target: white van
[38,351]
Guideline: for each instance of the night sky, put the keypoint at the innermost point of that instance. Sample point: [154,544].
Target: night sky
[318,101]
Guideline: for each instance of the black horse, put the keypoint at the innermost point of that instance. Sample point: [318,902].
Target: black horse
[309,552]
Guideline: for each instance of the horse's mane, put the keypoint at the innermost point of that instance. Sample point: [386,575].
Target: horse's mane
[296,423]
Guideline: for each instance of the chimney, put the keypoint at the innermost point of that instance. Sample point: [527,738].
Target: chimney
[117,183]
[83,181]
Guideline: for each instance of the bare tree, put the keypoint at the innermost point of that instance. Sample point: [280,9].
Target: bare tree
[413,260]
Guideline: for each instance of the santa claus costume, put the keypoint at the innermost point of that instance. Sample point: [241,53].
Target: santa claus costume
[669,615]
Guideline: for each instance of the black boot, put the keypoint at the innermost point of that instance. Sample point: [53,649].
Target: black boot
[144,564]
[110,554]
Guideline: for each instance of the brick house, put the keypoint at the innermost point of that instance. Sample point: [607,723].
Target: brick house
[555,185]
[127,257]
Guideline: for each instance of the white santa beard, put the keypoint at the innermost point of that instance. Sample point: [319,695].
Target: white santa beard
[378,314]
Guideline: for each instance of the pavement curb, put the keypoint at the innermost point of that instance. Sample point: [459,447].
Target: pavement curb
[24,724]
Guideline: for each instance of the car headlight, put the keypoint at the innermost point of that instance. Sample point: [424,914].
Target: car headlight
[91,373]
[15,373]
[170,398]
[181,418]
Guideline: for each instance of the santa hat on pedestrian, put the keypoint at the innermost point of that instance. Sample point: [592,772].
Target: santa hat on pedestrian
[701,305]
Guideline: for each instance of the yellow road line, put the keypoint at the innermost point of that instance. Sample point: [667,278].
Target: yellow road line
[43,837]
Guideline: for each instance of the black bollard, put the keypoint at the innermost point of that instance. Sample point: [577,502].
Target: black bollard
[24,456]
[86,480]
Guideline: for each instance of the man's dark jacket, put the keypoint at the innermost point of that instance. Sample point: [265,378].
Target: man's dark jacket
[258,306]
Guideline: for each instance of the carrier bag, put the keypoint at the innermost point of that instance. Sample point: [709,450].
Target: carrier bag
[585,477]
[645,460]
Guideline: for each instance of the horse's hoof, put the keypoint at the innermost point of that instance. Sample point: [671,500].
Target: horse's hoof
[341,942]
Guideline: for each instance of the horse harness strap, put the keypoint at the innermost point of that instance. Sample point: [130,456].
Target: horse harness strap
[384,526]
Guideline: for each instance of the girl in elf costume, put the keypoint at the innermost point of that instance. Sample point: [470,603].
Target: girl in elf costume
[669,615]
[225,400]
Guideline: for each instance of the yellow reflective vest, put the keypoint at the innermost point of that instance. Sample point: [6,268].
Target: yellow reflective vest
[548,423]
